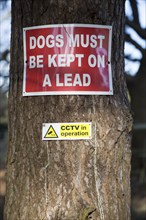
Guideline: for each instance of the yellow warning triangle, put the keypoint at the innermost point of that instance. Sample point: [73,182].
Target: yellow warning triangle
[51,133]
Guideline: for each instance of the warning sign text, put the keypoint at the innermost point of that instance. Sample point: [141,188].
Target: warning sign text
[66,131]
[67,59]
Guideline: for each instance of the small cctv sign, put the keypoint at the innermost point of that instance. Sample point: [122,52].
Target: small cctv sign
[67,131]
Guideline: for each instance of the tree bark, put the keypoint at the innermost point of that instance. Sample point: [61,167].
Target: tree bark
[68,180]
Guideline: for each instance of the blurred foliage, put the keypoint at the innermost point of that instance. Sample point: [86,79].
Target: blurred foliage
[5,17]
[135,35]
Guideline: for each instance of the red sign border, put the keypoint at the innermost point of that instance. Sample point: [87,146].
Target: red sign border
[110,92]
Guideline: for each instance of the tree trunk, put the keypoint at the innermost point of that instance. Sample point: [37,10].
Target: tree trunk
[68,180]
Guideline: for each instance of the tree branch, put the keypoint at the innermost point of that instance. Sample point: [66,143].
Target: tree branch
[128,57]
[4,76]
[137,28]
[130,40]
[134,7]
[4,54]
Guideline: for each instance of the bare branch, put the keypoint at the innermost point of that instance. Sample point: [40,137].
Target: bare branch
[4,76]
[137,28]
[134,7]
[3,55]
[128,57]
[130,40]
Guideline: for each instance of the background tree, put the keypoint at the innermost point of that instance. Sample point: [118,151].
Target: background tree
[68,179]
[4,66]
[4,45]
[136,84]
[137,89]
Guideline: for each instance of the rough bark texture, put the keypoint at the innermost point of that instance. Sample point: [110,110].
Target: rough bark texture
[68,180]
